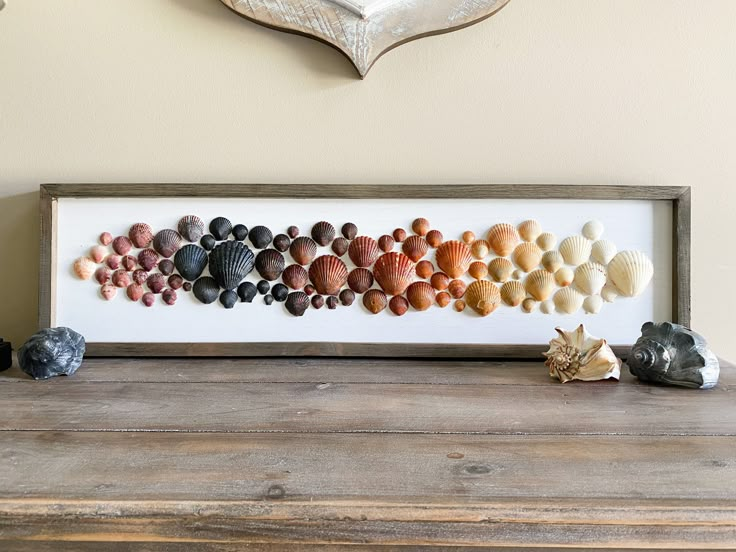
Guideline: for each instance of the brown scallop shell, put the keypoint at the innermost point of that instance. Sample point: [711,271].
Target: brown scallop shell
[363,251]
[483,297]
[140,276]
[459,305]
[122,245]
[443,299]
[281,242]
[167,242]
[503,238]
[328,274]
[349,231]
[323,233]
[309,289]
[297,303]
[303,249]
[398,305]
[140,235]
[478,270]
[440,281]
[129,262]
[175,281]
[318,301]
[527,256]
[340,246]
[295,276]
[269,264]
[360,280]
[332,302]
[500,269]
[84,268]
[120,278]
[347,297]
[399,235]
[105,238]
[540,284]
[468,237]
[156,282]
[102,275]
[424,269]
[480,249]
[454,258]
[165,266]
[386,243]
[434,238]
[456,288]
[393,272]
[169,296]
[375,300]
[135,292]
[148,259]
[108,292]
[98,253]
[420,226]
[113,261]
[421,295]
[415,247]
[292,231]
[513,293]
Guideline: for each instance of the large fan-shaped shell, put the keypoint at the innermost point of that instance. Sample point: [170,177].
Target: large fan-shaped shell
[191,228]
[323,233]
[220,228]
[420,295]
[84,268]
[529,230]
[603,251]
[140,235]
[297,303]
[568,301]
[590,278]
[260,236]
[230,262]
[630,272]
[270,264]
[167,242]
[360,280]
[483,297]
[552,261]
[415,247]
[540,284]
[375,300]
[500,269]
[295,276]
[190,261]
[328,274]
[394,272]
[513,293]
[527,256]
[576,250]
[363,251]
[503,239]
[454,258]
[303,250]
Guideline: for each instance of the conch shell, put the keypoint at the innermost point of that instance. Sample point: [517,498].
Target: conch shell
[577,355]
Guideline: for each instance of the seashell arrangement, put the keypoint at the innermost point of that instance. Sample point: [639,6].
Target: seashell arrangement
[577,355]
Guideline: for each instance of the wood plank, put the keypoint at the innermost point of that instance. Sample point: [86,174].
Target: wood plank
[595,408]
[62,546]
[681,264]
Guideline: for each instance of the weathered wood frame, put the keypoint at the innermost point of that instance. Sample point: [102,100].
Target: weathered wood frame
[677,196]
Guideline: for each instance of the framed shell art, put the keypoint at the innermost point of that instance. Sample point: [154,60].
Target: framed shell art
[426,271]
[364,30]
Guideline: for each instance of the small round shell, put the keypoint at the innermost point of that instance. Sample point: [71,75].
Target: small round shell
[129,262]
[140,276]
[420,226]
[208,242]
[500,269]
[529,230]
[552,261]
[318,302]
[459,305]
[108,292]
[480,249]
[295,276]
[332,302]
[148,299]
[386,243]
[349,231]
[593,229]
[347,297]
[415,247]
[527,256]
[603,251]
[167,242]
[398,305]
[483,297]
[323,233]
[593,304]
[165,266]
[191,228]
[297,303]
[303,250]
[454,258]
[375,300]
[148,259]
[503,239]
[220,228]
[547,307]
[270,264]
[440,281]
[135,292]
[309,289]
[394,272]
[247,291]
[102,275]
[169,296]
[105,238]
[240,232]
[420,295]
[456,288]
[122,245]
[156,282]
[434,238]
[363,251]
[281,242]
[328,274]
[263,287]
[84,268]
[631,272]
[292,231]
[141,235]
[576,250]
[424,269]
[513,293]
[540,284]
[340,246]
[98,253]
[528,305]
[260,236]
[360,280]
[175,281]
[399,235]
[478,270]
[442,299]
[609,293]
[546,241]
[468,237]
[564,276]
[568,301]
[590,278]
[120,278]
[280,292]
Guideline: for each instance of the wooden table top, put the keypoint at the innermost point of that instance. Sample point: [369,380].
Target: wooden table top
[214,454]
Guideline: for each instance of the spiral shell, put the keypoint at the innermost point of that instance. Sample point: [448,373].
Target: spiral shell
[102,275]
[190,261]
[282,242]
[443,299]
[84,268]
[360,280]
[191,228]
[349,231]
[375,300]
[270,264]
[295,276]
[483,297]
[303,250]
[398,305]
[568,301]
[603,251]
[340,246]
[500,269]
[503,239]
[323,233]
[540,284]
[478,270]
[593,304]
[393,272]
[454,258]
[513,293]
[590,278]
[328,274]
[120,278]
[148,259]
[576,250]
[297,303]
[260,236]
[564,276]
[386,243]
[399,235]
[440,281]
[141,235]
[529,230]
[552,261]
[456,288]
[630,272]
[98,253]
[480,249]
[230,262]
[415,247]
[593,229]
[546,241]
[122,245]
[420,226]
[527,256]
[577,355]
[420,295]
[424,269]
[135,292]
[363,251]
[434,238]
[167,242]
[220,228]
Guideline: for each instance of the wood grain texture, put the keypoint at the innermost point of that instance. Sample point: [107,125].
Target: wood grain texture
[61,546]
[45,296]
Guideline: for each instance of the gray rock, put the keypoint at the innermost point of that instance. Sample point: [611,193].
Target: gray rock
[52,352]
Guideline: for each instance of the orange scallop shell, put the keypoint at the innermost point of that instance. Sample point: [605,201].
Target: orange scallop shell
[398,305]
[421,295]
[424,269]
[457,288]
[454,258]
[415,247]
[328,274]
[503,238]
[399,234]
[480,249]
[440,281]
[375,300]
[478,270]
[468,237]
[360,280]
[295,276]
[420,226]
[527,256]
[434,238]
[540,284]
[513,293]
[443,299]
[483,297]
[394,272]
[363,251]
[500,269]
[459,305]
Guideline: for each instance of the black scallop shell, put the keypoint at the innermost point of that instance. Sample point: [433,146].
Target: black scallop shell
[206,290]
[270,264]
[280,292]
[208,241]
[297,303]
[268,299]
[247,291]
[240,232]
[228,298]
[323,233]
[220,228]
[190,261]
[260,236]
[263,287]
[230,262]
[281,242]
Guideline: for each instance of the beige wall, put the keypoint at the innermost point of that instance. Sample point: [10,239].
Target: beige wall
[560,91]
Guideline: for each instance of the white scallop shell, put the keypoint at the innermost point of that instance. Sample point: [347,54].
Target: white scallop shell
[517,274]
[576,250]
[568,301]
[603,251]
[630,272]
[546,241]
[590,278]
[609,293]
[593,304]
[564,276]
[593,229]
[552,261]
[529,230]
[547,307]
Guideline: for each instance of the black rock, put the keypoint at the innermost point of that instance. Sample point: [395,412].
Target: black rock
[240,232]
[268,299]
[263,287]
[247,291]
[206,290]
[220,228]
[280,292]
[6,355]
[228,298]
[208,241]
[260,236]
[52,352]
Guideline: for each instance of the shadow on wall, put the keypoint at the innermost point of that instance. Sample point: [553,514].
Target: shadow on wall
[19,252]
[313,55]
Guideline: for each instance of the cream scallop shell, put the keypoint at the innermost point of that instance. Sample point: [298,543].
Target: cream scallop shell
[546,241]
[527,256]
[84,268]
[500,269]
[603,251]
[503,238]
[590,278]
[630,272]
[483,297]
[568,301]
[528,305]
[593,304]
[454,258]
[593,229]
[552,261]
[575,250]
[540,284]
[547,307]
[564,276]
[529,230]
[513,293]
[609,293]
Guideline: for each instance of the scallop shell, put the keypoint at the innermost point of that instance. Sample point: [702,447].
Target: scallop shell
[340,246]
[468,237]
[480,249]
[140,276]
[394,272]
[113,261]
[529,230]
[102,275]
[228,298]
[206,290]
[478,270]
[349,231]
[220,228]
[434,238]
[297,303]
[175,281]
[148,299]
[135,292]
[281,242]
[398,305]
[165,266]
[122,245]
[230,262]
[120,278]
[190,261]
[303,250]
[332,302]
[363,251]
[593,229]
[328,274]
[500,269]
[191,228]
[420,226]
[564,276]
[630,272]
[420,295]
[459,305]
[84,268]
[141,235]
[609,293]
[424,269]
[260,237]
[187,286]
[148,259]
[98,253]
[309,289]
[578,355]
[443,299]
[108,292]
[528,305]
[323,233]
[318,302]
[593,304]
[576,250]
[440,281]
[517,274]
[503,239]
[456,288]
[240,232]
[527,256]
[454,258]
[360,280]
[386,243]
[292,231]
[208,242]
[167,242]
[483,297]
[513,293]
[399,234]
[590,278]
[375,300]
[547,307]
[247,292]
[552,261]
[105,238]
[546,241]
[156,282]
[295,276]
[540,284]
[129,262]
[568,301]
[280,292]
[169,296]
[603,251]
[270,264]
[415,247]
[347,297]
